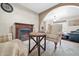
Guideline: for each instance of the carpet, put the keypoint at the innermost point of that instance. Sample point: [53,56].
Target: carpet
[67,48]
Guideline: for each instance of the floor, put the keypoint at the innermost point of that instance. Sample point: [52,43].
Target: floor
[67,48]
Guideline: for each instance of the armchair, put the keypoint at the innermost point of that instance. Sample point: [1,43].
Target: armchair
[54,33]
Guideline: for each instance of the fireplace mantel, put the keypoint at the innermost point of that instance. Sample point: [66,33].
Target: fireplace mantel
[21,31]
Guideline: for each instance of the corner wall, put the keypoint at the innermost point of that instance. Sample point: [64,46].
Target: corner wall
[19,15]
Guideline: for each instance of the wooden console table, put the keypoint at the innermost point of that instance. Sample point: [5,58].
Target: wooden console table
[39,38]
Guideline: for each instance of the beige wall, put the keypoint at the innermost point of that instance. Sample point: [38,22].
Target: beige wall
[20,15]
[23,15]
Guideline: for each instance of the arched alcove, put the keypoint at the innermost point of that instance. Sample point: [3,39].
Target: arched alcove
[62,14]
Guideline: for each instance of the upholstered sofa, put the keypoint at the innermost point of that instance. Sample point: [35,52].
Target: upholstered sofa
[9,47]
[74,35]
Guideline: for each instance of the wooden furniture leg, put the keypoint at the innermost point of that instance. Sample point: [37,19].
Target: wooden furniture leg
[38,40]
[29,44]
[45,43]
[55,45]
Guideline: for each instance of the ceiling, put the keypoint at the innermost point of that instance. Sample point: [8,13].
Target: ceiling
[38,7]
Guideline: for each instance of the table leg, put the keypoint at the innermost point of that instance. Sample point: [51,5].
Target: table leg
[45,43]
[29,44]
[38,40]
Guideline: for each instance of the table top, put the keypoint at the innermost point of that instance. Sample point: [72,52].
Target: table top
[37,34]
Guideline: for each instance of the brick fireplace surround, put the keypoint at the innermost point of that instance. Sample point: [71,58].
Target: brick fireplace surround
[22,31]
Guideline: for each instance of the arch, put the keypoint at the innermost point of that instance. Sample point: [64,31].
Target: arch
[43,14]
[63,11]
[75,7]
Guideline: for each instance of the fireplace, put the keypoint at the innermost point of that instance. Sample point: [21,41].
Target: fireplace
[24,34]
[21,31]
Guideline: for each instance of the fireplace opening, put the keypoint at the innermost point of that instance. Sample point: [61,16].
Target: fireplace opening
[24,34]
